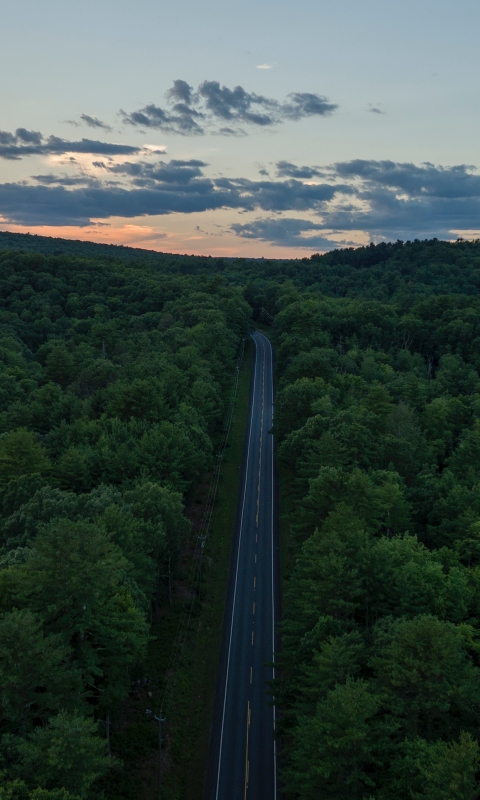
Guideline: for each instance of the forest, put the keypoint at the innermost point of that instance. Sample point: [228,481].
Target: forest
[113,388]
[115,370]
[378,424]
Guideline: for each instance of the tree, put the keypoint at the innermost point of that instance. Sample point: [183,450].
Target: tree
[67,754]
[333,753]
[36,676]
[423,667]
[76,578]
[21,454]
[59,365]
[18,790]
[435,770]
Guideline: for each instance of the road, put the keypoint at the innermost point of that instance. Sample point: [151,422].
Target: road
[242,763]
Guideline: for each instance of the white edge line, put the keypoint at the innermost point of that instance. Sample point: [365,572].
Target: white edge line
[236,575]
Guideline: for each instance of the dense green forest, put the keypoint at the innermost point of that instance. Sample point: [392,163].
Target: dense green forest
[399,271]
[378,423]
[113,384]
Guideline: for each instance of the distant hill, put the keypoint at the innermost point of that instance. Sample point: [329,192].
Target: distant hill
[53,246]
[393,271]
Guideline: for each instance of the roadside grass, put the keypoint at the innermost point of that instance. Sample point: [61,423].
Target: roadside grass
[190,710]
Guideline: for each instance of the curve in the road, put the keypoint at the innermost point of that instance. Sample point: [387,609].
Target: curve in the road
[242,763]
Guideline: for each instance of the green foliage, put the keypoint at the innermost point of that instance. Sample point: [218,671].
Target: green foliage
[379,431]
[36,675]
[114,382]
[76,578]
[67,754]
[21,454]
[114,370]
[336,749]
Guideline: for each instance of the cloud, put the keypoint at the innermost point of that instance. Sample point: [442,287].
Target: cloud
[142,188]
[286,232]
[94,122]
[182,119]
[404,200]
[264,66]
[236,104]
[144,174]
[28,137]
[417,180]
[181,92]
[305,104]
[384,199]
[27,143]
[287,170]
[192,112]
[62,180]
[374,110]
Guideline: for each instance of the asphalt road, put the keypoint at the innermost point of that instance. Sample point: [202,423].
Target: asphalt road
[242,763]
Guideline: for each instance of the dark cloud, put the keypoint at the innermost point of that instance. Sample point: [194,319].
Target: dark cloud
[286,232]
[7,138]
[376,111]
[181,119]
[226,131]
[45,205]
[94,122]
[28,143]
[181,92]
[404,200]
[145,174]
[423,180]
[304,104]
[62,180]
[237,104]
[196,112]
[382,198]
[28,137]
[290,195]
[287,170]
[146,189]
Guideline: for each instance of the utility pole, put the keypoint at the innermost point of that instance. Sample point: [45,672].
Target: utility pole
[203,539]
[107,727]
[169,583]
[160,719]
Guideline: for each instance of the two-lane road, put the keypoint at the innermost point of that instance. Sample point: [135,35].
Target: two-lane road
[242,763]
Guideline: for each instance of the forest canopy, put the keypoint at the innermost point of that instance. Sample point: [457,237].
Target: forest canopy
[115,366]
[113,387]
[378,426]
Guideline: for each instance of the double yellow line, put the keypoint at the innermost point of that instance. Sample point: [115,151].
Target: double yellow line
[261,437]
[247,762]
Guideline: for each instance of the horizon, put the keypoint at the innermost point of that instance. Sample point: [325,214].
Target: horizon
[262,132]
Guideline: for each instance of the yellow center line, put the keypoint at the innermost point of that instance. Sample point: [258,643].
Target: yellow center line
[261,440]
[247,766]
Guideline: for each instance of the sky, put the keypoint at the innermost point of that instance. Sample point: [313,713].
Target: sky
[257,129]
